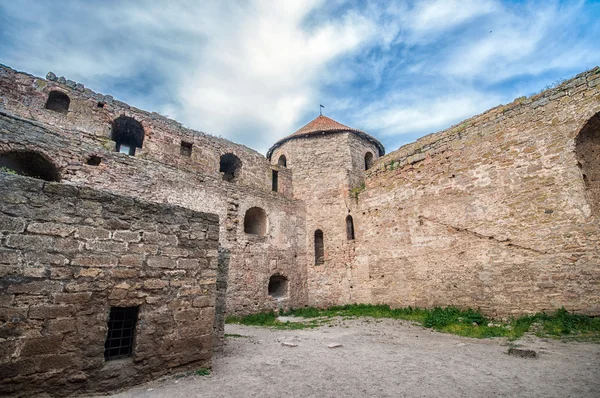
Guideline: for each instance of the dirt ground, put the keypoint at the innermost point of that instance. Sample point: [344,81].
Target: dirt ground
[384,358]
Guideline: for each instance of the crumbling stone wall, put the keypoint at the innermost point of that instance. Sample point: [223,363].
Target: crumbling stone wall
[492,213]
[160,173]
[67,255]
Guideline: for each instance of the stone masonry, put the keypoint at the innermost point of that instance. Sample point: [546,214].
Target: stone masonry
[499,212]
[69,254]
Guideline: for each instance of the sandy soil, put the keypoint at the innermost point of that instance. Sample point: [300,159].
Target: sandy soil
[384,358]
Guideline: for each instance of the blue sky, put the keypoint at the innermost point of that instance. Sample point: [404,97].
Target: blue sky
[255,71]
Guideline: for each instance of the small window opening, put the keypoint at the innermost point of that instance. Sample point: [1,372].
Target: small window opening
[349,227]
[319,248]
[230,166]
[282,161]
[29,164]
[94,160]
[186,148]
[278,286]
[121,331]
[274,183]
[58,102]
[255,221]
[100,105]
[128,134]
[368,160]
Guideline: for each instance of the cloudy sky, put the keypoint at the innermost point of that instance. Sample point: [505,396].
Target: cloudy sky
[255,71]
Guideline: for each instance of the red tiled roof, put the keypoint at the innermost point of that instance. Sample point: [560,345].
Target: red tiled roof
[324,125]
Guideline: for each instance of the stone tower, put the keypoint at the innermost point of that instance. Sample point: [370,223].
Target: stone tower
[327,160]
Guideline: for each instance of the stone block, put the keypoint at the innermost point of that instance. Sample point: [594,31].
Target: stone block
[41,346]
[72,298]
[106,246]
[92,233]
[159,239]
[153,284]
[22,367]
[56,363]
[50,228]
[126,236]
[161,262]
[131,260]
[30,242]
[188,263]
[49,311]
[8,256]
[11,224]
[24,286]
[95,260]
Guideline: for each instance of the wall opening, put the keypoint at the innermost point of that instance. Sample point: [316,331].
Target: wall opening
[30,164]
[94,160]
[230,167]
[368,160]
[186,149]
[275,182]
[319,248]
[278,286]
[349,227]
[128,133]
[255,221]
[121,332]
[58,102]
[282,162]
[587,149]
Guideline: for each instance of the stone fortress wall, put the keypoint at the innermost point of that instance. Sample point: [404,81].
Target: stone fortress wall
[499,212]
[68,254]
[160,172]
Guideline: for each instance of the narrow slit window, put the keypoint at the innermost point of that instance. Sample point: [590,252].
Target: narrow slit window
[349,227]
[121,332]
[282,162]
[368,160]
[319,248]
[274,184]
[186,149]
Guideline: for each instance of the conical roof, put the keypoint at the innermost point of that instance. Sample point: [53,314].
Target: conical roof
[322,125]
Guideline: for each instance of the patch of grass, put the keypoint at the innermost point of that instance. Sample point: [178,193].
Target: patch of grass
[468,323]
[7,170]
[203,372]
[354,192]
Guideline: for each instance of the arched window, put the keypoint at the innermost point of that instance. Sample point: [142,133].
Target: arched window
[230,166]
[368,160]
[587,149]
[30,164]
[349,227]
[255,221]
[278,286]
[319,248]
[58,102]
[282,162]
[128,133]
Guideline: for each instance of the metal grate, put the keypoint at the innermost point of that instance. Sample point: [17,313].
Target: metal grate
[121,328]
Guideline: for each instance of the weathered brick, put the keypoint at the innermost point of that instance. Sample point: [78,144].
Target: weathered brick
[8,256]
[24,285]
[72,298]
[187,263]
[131,260]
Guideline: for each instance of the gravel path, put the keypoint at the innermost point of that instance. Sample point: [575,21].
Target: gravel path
[384,358]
